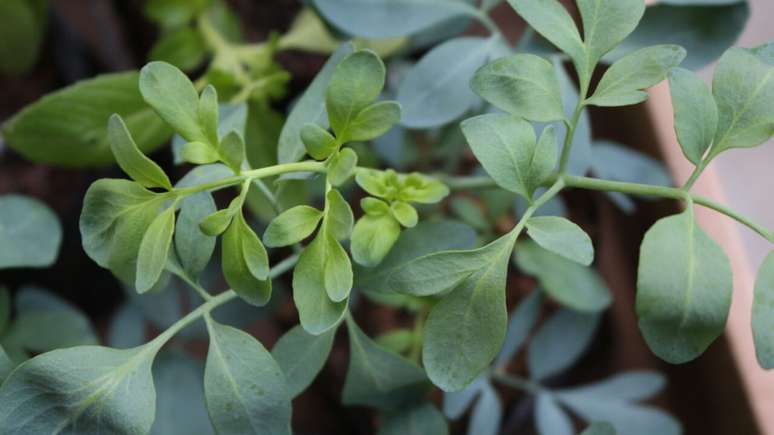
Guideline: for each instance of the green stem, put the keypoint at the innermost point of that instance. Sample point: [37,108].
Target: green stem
[254,174]
[571,126]
[695,175]
[416,347]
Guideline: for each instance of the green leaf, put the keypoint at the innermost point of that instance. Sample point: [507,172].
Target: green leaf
[342,166]
[471,320]
[5,310]
[30,233]
[623,82]
[86,389]
[550,419]
[397,341]
[629,386]
[245,388]
[6,365]
[488,412]
[560,342]
[180,403]
[115,217]
[605,24]
[245,262]
[374,207]
[301,356]
[507,148]
[184,48]
[292,226]
[356,82]
[524,85]
[432,93]
[172,95]
[216,223]
[696,114]
[174,13]
[553,22]
[599,429]
[374,121]
[311,276]
[69,127]
[743,87]
[372,239]
[199,153]
[404,213]
[193,247]
[310,108]
[207,112]
[318,142]
[523,319]
[762,313]
[154,250]
[683,289]
[22,30]
[139,167]
[561,237]
[377,377]
[338,219]
[423,419]
[232,150]
[569,283]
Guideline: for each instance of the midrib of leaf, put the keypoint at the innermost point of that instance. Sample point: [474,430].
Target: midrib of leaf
[522,78]
[688,298]
[744,109]
[232,382]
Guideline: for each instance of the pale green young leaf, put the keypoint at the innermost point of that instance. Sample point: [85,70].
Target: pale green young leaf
[432,93]
[292,226]
[373,237]
[507,148]
[115,216]
[569,283]
[683,289]
[415,187]
[763,313]
[246,391]
[317,312]
[397,340]
[471,320]
[86,390]
[377,377]
[404,213]
[624,82]
[310,108]
[245,262]
[599,429]
[301,356]
[374,121]
[560,342]
[356,82]
[696,114]
[139,167]
[553,22]
[424,419]
[208,113]
[374,207]
[743,87]
[69,127]
[605,24]
[199,153]
[318,142]
[562,237]
[232,150]
[193,247]
[524,85]
[30,233]
[341,166]
[154,250]
[339,218]
[216,223]
[550,419]
[172,95]
[523,319]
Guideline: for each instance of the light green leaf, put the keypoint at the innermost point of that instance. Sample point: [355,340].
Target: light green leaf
[301,356]
[696,114]
[683,289]
[561,237]
[763,313]
[337,272]
[405,214]
[423,419]
[624,81]
[292,226]
[69,127]
[377,377]
[30,233]
[208,113]
[245,388]
[743,87]
[550,419]
[310,108]
[341,166]
[569,283]
[397,341]
[154,250]
[524,85]
[560,342]
[184,48]
[553,22]
[356,82]
[471,320]
[318,142]
[139,167]
[374,121]
[232,150]
[245,262]
[199,153]
[374,207]
[115,216]
[87,389]
[174,13]
[605,24]
[339,218]
[372,238]
[599,429]
[174,98]
[507,148]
